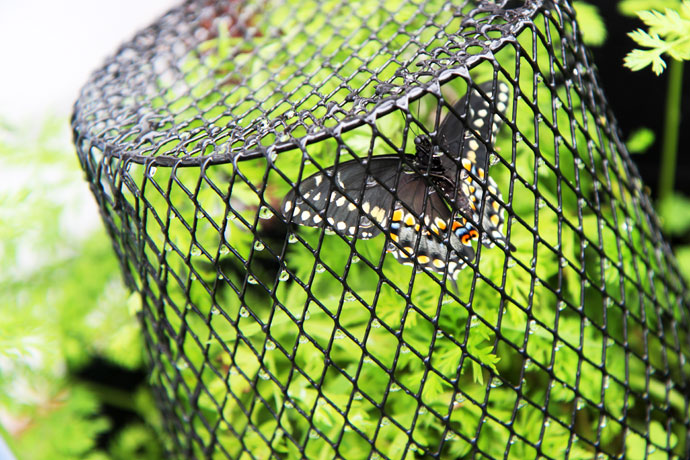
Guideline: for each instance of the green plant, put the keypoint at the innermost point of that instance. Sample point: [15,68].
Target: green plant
[668,35]
[341,345]
[62,303]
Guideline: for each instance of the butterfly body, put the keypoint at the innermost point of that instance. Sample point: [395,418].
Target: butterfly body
[428,204]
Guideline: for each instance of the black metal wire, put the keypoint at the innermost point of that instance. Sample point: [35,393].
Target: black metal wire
[271,339]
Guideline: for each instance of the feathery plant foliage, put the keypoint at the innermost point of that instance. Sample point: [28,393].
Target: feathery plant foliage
[62,303]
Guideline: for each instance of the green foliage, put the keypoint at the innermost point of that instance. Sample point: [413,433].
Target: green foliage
[396,359]
[395,353]
[668,34]
[683,258]
[640,140]
[66,430]
[632,7]
[62,301]
[591,23]
[675,212]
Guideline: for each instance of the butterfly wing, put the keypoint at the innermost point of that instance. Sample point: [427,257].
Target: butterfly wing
[465,146]
[349,196]
[393,195]
[362,197]
[428,242]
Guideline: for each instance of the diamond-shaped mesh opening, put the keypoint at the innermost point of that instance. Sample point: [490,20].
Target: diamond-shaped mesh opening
[386,230]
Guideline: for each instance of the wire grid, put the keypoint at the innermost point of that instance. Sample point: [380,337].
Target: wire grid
[270,339]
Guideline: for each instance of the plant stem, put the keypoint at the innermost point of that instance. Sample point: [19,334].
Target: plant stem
[669,149]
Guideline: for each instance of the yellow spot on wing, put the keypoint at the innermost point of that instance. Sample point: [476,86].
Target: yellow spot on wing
[378,214]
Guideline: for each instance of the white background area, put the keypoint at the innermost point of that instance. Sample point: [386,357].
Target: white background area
[48,49]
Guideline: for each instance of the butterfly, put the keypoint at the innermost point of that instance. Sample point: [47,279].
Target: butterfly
[429,203]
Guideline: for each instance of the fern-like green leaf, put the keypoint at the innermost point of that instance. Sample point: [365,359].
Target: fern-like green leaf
[668,33]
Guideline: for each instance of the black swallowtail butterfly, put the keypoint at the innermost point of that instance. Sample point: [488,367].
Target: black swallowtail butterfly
[409,197]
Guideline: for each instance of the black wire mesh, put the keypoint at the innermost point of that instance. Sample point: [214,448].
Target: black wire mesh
[270,334]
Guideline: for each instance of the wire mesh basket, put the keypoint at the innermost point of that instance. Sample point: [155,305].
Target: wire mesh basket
[386,230]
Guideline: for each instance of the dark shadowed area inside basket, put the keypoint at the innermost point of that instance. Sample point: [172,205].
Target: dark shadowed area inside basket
[390,230]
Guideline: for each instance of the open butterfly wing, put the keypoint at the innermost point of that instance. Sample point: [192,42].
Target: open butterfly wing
[393,195]
[349,197]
